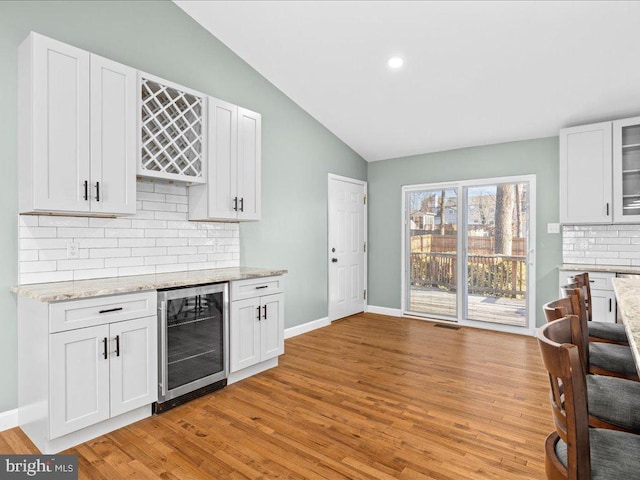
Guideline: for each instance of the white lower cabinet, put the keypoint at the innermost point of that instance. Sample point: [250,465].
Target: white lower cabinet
[82,382]
[602,294]
[256,322]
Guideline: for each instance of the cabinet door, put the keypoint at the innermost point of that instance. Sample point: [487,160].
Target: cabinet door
[604,306]
[134,367]
[626,170]
[113,137]
[60,125]
[78,379]
[223,154]
[249,164]
[585,174]
[272,326]
[244,333]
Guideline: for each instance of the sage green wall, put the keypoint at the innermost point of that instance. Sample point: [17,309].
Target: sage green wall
[387,177]
[159,38]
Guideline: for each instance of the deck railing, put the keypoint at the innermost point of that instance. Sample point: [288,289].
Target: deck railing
[495,275]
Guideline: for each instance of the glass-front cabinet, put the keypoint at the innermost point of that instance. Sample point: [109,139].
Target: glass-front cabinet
[626,170]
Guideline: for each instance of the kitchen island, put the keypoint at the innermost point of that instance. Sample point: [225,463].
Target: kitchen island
[627,291]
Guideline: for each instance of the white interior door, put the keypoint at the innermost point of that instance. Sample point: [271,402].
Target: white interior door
[347,249]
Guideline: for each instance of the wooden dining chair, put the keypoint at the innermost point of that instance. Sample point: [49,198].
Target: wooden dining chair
[574,451]
[598,331]
[614,403]
[600,357]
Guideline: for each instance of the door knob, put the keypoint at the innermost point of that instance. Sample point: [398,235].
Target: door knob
[334,260]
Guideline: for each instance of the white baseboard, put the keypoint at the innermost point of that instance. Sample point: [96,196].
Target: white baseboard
[306,327]
[392,312]
[8,419]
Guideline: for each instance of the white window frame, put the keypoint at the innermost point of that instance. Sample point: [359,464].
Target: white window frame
[462,186]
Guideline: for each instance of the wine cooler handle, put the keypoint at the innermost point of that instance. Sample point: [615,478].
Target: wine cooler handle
[163,374]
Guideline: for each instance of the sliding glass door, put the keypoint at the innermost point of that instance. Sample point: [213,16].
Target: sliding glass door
[433,251]
[467,250]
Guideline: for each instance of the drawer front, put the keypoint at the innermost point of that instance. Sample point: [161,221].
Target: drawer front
[97,311]
[601,280]
[256,287]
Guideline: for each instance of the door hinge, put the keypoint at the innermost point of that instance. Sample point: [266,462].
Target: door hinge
[365,247]
[365,198]
[365,294]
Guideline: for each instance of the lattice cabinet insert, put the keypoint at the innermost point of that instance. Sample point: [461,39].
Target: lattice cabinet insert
[172,132]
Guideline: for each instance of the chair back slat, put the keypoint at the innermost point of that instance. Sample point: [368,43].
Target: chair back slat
[568,396]
[582,281]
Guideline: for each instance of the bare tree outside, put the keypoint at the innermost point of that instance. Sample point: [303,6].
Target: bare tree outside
[505,201]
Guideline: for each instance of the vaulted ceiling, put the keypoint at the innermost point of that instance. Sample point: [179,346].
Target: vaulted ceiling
[474,73]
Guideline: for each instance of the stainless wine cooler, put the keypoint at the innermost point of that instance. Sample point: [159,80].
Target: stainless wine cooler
[193,341]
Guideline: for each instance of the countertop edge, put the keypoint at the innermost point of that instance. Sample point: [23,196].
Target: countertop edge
[73,290]
[626,291]
[599,268]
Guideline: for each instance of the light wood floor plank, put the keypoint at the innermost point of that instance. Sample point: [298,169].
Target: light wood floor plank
[369,397]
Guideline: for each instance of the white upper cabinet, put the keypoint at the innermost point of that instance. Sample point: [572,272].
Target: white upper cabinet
[77,131]
[172,131]
[234,178]
[585,174]
[626,170]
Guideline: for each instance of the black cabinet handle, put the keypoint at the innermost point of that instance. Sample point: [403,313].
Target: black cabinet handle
[262,286]
[97,191]
[106,354]
[610,304]
[265,312]
[86,190]
[242,204]
[607,209]
[235,204]
[334,260]
[258,312]
[117,345]
[117,309]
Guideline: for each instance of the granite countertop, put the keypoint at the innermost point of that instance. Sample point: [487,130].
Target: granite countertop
[628,296]
[600,268]
[57,291]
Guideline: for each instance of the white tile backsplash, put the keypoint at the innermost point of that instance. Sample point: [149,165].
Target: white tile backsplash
[617,245]
[158,239]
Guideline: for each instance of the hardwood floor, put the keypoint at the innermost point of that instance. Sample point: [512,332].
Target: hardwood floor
[369,397]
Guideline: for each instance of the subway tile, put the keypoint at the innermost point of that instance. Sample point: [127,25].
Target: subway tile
[45,277]
[184,199]
[172,242]
[151,197]
[110,252]
[73,232]
[124,233]
[142,215]
[37,232]
[160,260]
[624,248]
[182,250]
[27,220]
[148,251]
[232,248]
[29,256]
[170,189]
[192,233]
[159,206]
[61,254]
[211,249]
[183,225]
[615,262]
[177,267]
[98,273]
[202,266]
[144,186]
[614,241]
[137,242]
[53,221]
[96,242]
[226,264]
[629,254]
[572,234]
[180,208]
[161,232]
[232,226]
[192,258]
[42,243]
[600,234]
[39,266]
[123,262]
[601,254]
[170,215]
[203,241]
[83,264]
[141,270]
[629,233]
[148,223]
[110,222]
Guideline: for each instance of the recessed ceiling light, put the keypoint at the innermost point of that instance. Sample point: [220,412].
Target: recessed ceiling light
[395,62]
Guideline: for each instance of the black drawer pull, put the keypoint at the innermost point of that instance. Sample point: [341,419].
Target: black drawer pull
[610,302]
[258,307]
[265,312]
[117,345]
[111,310]
[262,286]
[104,341]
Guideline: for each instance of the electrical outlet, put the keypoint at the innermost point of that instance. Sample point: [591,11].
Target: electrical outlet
[553,228]
[73,250]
